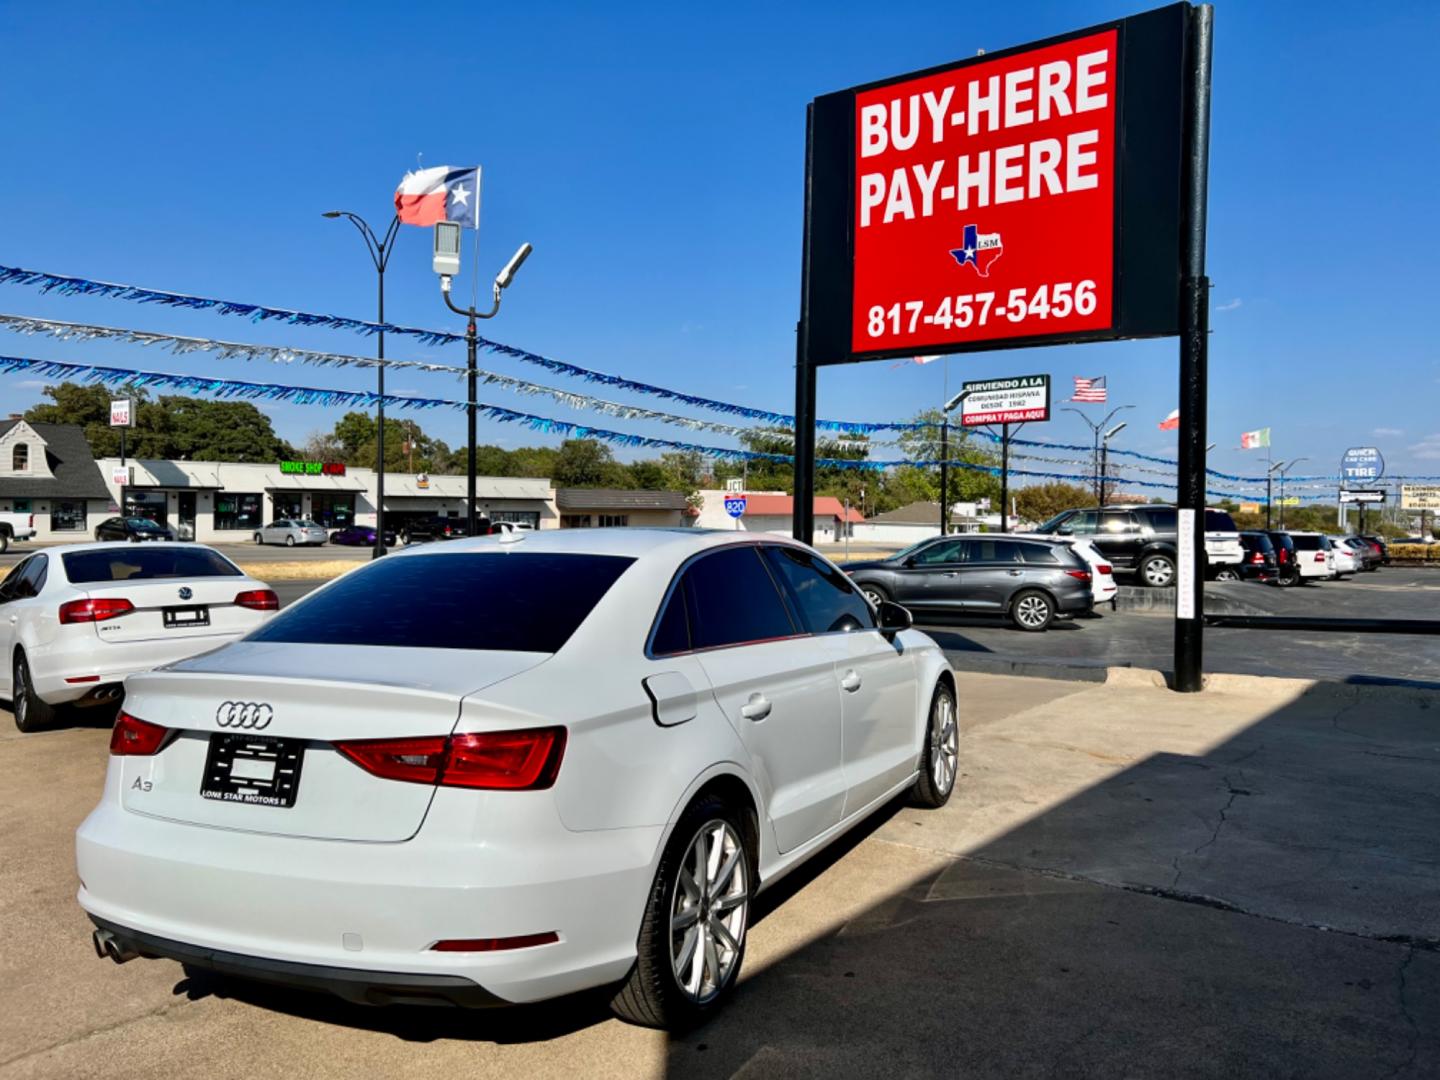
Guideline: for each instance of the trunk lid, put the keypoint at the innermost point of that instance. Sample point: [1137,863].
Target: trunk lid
[209,608]
[307,697]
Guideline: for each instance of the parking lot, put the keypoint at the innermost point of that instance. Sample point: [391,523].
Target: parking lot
[1128,882]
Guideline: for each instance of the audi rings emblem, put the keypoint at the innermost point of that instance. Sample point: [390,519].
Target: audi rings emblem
[186,592]
[249,715]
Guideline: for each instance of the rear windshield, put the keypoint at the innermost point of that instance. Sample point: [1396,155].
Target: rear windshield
[1306,543]
[502,601]
[1258,541]
[135,563]
[1218,521]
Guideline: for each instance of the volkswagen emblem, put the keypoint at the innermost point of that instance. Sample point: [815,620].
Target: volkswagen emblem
[250,715]
[186,592]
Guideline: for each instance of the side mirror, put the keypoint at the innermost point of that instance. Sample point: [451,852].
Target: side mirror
[1064,530]
[894,618]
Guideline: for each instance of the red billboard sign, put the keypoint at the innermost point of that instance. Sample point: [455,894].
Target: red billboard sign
[985,200]
[1024,197]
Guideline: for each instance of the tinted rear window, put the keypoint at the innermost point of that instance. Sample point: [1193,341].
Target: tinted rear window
[1218,521]
[1256,541]
[733,600]
[136,563]
[1162,520]
[511,601]
[1037,553]
[1306,543]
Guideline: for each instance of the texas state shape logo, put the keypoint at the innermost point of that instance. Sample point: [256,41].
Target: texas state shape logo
[978,250]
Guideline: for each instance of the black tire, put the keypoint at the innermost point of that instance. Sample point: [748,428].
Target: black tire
[652,995]
[1157,571]
[875,594]
[31,714]
[259,538]
[1227,573]
[289,541]
[4,542]
[1032,610]
[935,785]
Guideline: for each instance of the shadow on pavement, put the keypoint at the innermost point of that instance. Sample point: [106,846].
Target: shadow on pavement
[1264,909]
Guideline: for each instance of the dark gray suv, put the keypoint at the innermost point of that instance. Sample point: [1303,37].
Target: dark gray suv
[1028,581]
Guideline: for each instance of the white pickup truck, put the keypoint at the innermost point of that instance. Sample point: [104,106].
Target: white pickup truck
[15,527]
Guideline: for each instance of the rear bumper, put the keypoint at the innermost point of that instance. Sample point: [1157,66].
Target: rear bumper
[353,984]
[285,908]
[73,656]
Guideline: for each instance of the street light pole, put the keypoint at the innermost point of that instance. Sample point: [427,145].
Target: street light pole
[945,459]
[447,262]
[1105,456]
[380,255]
[1095,429]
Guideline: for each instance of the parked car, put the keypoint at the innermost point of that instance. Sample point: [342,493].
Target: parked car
[1313,556]
[1102,585]
[1345,559]
[133,529]
[15,526]
[1029,582]
[1287,558]
[360,536]
[1141,539]
[519,768]
[1367,556]
[292,531]
[1380,545]
[76,619]
[425,530]
[1261,560]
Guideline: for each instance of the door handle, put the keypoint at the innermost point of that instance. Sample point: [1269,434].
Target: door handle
[851,681]
[1015,573]
[757,708]
[951,573]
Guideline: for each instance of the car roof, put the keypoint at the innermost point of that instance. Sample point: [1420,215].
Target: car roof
[633,542]
[108,545]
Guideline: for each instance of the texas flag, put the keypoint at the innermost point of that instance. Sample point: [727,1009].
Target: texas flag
[439,194]
[1171,422]
[978,249]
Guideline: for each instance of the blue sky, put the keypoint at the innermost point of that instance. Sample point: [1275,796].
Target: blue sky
[653,156]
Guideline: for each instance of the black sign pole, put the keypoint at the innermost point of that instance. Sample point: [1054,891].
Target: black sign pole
[1194,354]
[802,520]
[1004,478]
[945,474]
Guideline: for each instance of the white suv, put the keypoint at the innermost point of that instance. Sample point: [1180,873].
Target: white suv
[1314,555]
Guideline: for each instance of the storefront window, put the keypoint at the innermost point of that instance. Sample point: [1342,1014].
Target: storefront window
[612,521]
[235,510]
[68,516]
[151,505]
[575,521]
[334,511]
[22,506]
[288,504]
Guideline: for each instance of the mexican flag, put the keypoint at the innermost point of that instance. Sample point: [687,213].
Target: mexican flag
[1253,440]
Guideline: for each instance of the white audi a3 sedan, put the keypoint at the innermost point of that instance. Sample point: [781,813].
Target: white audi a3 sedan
[509,768]
[76,619]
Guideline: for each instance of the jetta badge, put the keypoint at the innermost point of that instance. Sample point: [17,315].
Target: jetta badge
[250,715]
[186,592]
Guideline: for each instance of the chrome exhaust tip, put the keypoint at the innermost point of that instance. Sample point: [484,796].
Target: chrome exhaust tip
[108,945]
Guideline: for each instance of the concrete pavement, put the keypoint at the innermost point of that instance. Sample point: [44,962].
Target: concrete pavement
[1127,882]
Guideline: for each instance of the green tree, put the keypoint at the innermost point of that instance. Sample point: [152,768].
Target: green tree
[584,463]
[1040,502]
[966,484]
[683,470]
[172,427]
[649,475]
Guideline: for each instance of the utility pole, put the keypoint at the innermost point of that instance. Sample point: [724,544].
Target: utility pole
[945,459]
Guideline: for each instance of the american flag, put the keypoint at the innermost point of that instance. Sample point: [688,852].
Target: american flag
[1091,391]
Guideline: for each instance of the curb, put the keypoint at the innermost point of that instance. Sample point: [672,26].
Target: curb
[1162,601]
[1218,682]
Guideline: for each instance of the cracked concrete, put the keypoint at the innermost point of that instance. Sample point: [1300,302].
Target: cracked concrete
[1127,882]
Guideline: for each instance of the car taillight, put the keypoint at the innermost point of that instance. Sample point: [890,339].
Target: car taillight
[258,600]
[1079,575]
[498,760]
[1105,568]
[93,610]
[1284,555]
[1258,558]
[1319,556]
[32,521]
[133,737]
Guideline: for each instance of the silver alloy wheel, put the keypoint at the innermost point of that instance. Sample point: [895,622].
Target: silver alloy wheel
[1227,575]
[21,693]
[709,913]
[1032,611]
[874,597]
[944,744]
[1158,572]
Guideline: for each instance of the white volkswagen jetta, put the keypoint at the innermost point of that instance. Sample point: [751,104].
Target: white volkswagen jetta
[505,769]
[75,619]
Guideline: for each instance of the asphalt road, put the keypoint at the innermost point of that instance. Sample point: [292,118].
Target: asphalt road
[1146,639]
[1128,882]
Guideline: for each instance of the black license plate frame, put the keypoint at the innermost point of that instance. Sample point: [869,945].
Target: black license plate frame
[280,791]
[173,621]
